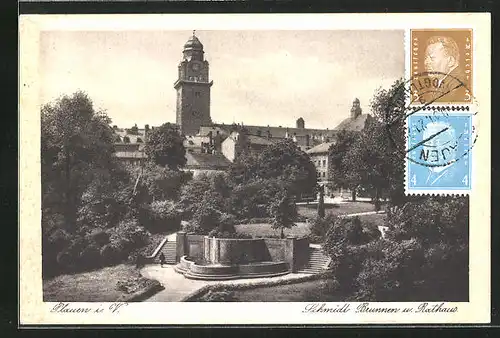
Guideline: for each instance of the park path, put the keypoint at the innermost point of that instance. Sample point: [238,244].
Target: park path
[365,213]
[177,286]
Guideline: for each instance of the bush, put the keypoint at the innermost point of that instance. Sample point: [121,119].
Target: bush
[134,285]
[227,222]
[218,296]
[90,257]
[431,219]
[66,260]
[110,255]
[163,216]
[354,230]
[227,234]
[206,219]
[58,240]
[343,244]
[425,255]
[390,271]
[319,227]
[99,237]
[52,244]
[371,233]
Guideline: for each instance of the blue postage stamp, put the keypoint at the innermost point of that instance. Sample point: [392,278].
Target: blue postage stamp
[438,158]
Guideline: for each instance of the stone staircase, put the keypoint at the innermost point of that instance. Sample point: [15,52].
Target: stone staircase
[317,262]
[169,249]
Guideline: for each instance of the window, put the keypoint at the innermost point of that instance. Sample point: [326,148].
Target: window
[197,94]
[323,174]
[324,163]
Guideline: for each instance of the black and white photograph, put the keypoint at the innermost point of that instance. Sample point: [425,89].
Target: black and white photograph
[244,166]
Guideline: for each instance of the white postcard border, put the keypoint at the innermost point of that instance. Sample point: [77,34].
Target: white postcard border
[34,311]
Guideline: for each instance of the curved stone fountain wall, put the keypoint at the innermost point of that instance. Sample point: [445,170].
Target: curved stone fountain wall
[210,258]
[235,251]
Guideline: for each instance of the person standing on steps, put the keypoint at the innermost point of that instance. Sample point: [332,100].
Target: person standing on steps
[162,259]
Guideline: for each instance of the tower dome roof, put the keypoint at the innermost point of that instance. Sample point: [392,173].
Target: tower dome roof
[193,43]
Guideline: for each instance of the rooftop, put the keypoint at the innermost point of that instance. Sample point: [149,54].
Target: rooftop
[206,161]
[353,124]
[277,132]
[320,148]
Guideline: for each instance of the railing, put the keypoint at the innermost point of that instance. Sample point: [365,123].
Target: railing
[158,248]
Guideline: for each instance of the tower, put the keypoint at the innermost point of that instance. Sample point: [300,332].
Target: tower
[193,88]
[356,108]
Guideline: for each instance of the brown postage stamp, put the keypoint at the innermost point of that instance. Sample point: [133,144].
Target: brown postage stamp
[441,66]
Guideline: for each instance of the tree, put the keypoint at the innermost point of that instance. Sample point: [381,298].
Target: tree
[341,171]
[284,212]
[321,202]
[76,140]
[282,160]
[286,161]
[158,182]
[370,160]
[388,133]
[244,168]
[374,158]
[165,147]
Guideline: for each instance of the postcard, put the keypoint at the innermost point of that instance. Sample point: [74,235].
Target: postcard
[254,169]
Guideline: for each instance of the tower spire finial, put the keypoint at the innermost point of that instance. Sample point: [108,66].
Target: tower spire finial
[194,32]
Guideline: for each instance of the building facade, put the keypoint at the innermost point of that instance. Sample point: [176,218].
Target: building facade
[228,141]
[320,158]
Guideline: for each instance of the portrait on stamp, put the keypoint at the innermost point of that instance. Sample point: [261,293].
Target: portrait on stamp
[439,147]
[441,66]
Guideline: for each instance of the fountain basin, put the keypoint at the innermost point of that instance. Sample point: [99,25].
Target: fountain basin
[197,269]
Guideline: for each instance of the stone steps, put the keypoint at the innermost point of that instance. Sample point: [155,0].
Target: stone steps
[193,275]
[316,263]
[169,249]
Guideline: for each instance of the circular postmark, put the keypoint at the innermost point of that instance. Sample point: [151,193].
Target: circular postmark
[436,136]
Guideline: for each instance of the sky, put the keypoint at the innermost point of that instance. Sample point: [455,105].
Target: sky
[260,77]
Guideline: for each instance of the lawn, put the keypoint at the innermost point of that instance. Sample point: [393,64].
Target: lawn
[374,220]
[302,228]
[310,211]
[93,286]
[311,291]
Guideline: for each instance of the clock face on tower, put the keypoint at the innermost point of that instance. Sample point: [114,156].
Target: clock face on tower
[195,66]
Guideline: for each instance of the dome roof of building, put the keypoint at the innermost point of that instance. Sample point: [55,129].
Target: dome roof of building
[193,43]
[353,124]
